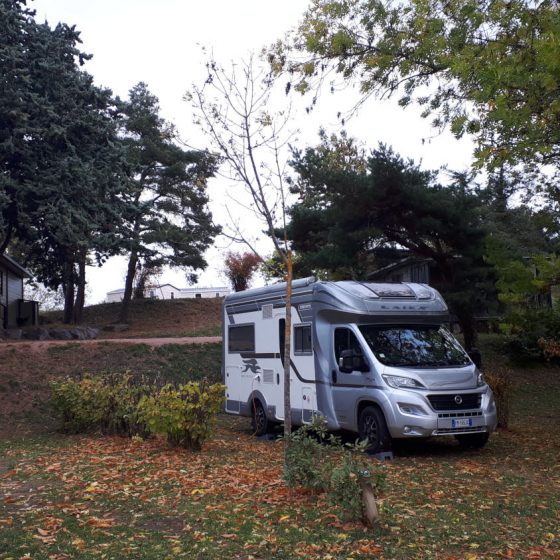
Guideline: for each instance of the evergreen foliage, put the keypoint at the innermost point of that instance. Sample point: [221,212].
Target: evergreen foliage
[61,169]
[351,203]
[169,223]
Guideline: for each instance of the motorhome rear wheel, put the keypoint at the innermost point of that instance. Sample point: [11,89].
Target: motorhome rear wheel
[260,422]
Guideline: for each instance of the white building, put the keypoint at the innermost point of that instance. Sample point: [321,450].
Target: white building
[168,291]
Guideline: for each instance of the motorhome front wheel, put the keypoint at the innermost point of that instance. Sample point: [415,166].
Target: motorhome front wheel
[373,428]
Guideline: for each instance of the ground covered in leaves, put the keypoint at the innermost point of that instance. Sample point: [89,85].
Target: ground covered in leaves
[65,497]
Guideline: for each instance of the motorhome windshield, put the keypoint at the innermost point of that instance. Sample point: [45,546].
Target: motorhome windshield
[414,346]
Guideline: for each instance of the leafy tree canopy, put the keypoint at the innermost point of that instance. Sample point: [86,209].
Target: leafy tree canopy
[61,168]
[240,269]
[169,223]
[489,68]
[359,201]
[168,185]
[352,203]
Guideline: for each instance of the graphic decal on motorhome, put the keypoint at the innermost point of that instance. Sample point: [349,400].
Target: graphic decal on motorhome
[251,364]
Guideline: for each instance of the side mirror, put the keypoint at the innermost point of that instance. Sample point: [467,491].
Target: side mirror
[350,361]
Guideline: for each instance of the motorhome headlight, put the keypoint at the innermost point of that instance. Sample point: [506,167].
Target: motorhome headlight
[397,381]
[480,380]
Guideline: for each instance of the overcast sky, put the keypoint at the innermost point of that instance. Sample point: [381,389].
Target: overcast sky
[159,42]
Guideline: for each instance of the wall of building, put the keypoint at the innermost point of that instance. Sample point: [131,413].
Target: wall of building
[14,292]
[168,291]
[3,298]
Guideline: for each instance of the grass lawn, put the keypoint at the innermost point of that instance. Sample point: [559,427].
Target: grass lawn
[64,497]
[155,318]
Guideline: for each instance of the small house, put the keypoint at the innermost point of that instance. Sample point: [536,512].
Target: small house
[408,269]
[15,311]
[168,291]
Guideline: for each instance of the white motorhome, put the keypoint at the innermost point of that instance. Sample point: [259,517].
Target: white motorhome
[374,359]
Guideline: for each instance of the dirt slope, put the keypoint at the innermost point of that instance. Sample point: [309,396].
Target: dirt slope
[155,318]
[159,342]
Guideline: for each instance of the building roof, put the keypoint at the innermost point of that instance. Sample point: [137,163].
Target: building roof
[14,267]
[403,263]
[192,289]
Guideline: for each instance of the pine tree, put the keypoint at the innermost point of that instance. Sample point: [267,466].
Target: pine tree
[169,223]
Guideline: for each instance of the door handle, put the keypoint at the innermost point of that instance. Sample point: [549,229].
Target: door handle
[334,376]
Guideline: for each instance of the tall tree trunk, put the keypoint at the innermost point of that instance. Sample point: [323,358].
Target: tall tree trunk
[128,286]
[462,309]
[467,322]
[287,352]
[68,285]
[6,239]
[81,293]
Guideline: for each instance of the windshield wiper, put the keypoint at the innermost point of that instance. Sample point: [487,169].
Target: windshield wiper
[440,363]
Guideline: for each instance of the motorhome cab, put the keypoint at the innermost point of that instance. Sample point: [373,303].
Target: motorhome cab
[374,359]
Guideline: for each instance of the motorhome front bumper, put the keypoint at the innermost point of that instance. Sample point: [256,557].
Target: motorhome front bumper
[427,413]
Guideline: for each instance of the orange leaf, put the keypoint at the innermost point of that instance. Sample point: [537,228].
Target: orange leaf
[96,522]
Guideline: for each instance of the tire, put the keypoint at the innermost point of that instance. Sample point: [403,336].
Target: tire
[260,422]
[373,428]
[473,441]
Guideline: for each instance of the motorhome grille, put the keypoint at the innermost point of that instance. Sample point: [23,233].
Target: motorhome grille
[267,311]
[268,376]
[459,401]
[469,414]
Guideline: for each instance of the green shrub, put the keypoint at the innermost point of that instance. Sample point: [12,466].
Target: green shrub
[121,415]
[185,414]
[320,462]
[106,403]
[344,489]
[533,332]
[307,458]
[499,380]
[79,404]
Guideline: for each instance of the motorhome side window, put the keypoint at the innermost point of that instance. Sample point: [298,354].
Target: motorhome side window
[302,339]
[345,339]
[241,338]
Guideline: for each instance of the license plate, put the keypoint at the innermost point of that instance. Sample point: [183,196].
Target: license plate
[461,423]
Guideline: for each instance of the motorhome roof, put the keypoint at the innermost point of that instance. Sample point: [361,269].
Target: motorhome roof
[361,290]
[352,300]
[385,290]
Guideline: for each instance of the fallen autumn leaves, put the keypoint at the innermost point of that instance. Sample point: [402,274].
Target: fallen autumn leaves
[117,498]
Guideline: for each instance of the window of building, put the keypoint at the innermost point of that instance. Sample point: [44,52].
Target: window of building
[197,295]
[241,338]
[172,295]
[302,339]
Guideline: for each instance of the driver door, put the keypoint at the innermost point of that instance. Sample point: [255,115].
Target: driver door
[347,384]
